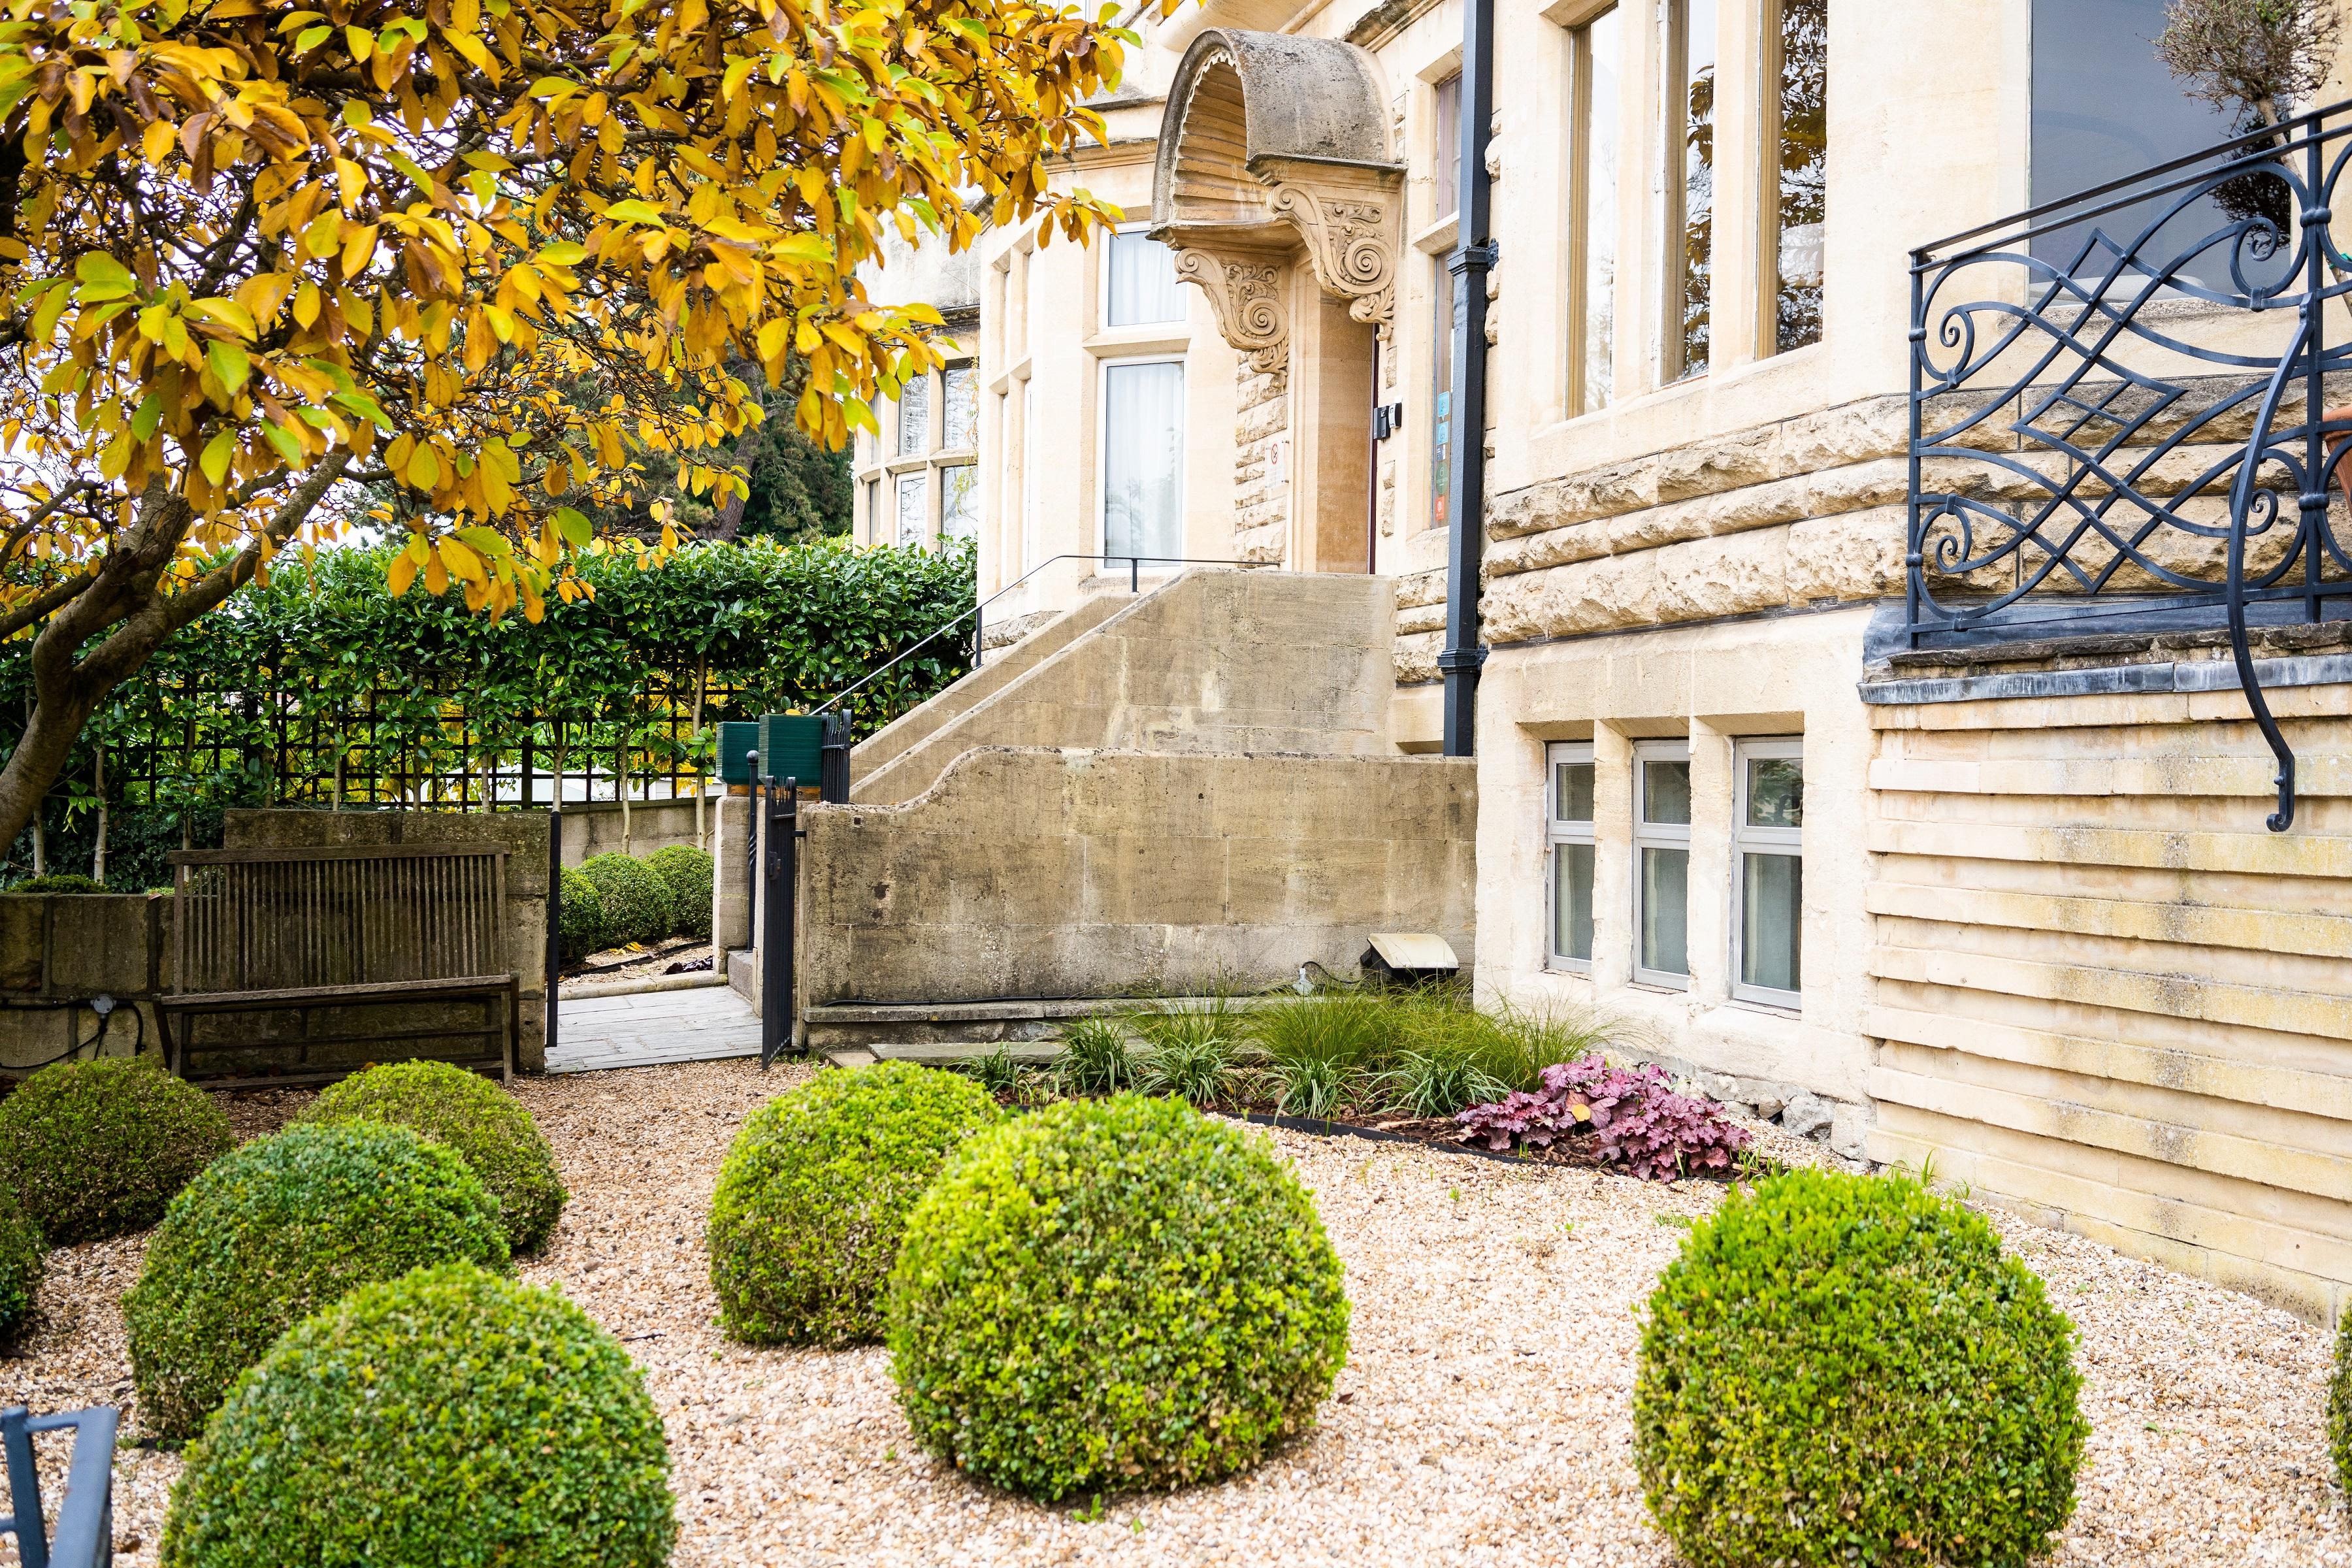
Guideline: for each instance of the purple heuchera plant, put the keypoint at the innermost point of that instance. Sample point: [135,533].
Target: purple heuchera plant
[1642,1125]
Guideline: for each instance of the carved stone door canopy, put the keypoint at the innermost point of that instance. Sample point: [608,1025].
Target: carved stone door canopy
[1273,144]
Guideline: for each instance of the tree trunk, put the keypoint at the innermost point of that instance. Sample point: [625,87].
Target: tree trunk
[97,855]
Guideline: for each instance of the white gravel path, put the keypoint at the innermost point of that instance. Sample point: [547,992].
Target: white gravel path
[1482,1417]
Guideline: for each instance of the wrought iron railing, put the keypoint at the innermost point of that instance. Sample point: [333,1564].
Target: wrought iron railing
[85,1535]
[2127,409]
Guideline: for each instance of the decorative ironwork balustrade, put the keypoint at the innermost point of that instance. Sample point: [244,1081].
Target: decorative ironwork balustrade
[2127,409]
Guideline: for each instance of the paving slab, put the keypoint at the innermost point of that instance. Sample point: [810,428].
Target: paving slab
[644,1028]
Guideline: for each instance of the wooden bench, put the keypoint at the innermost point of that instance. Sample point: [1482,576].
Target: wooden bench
[317,932]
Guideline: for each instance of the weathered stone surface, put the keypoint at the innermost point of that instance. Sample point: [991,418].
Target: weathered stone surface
[1808,1115]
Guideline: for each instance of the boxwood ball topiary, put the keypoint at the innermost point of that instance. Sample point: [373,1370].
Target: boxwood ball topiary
[636,901]
[447,1417]
[488,1127]
[687,872]
[97,1149]
[275,1231]
[2339,1403]
[582,925]
[20,1263]
[816,1193]
[1110,1295]
[1842,1370]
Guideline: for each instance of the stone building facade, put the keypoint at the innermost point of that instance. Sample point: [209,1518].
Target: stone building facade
[2012,907]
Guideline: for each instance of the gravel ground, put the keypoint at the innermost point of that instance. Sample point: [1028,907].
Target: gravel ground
[1482,1417]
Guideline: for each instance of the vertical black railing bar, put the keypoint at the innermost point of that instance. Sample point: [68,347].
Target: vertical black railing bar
[554,915]
[85,1535]
[779,833]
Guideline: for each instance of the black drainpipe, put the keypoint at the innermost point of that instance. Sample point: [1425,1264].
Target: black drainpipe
[1465,500]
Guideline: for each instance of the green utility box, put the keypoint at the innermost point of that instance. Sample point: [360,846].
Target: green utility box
[789,747]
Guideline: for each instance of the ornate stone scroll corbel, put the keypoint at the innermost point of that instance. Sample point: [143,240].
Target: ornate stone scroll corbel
[1245,292]
[1351,243]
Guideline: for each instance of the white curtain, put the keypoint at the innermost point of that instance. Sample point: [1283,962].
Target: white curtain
[1143,286]
[1143,459]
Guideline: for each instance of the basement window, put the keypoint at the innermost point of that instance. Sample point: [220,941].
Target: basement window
[1768,868]
[1662,824]
[1568,833]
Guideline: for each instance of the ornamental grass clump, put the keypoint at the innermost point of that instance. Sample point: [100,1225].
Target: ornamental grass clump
[1116,1295]
[1845,1370]
[688,873]
[448,1416]
[636,901]
[278,1229]
[1095,1058]
[20,1263]
[816,1190]
[95,1149]
[488,1127]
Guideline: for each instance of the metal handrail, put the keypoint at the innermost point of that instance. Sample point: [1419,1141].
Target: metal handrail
[1135,564]
[85,1537]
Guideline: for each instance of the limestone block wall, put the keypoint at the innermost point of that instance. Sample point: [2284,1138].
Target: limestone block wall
[1261,472]
[60,952]
[1048,873]
[1216,660]
[2103,990]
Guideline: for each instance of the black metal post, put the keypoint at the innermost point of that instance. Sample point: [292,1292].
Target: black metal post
[780,829]
[833,754]
[1466,502]
[24,1521]
[1134,574]
[554,915]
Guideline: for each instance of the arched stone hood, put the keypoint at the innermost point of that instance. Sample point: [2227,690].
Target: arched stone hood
[1271,143]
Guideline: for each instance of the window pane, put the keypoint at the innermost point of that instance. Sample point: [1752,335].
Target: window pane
[1143,286]
[1771,921]
[1804,162]
[873,532]
[1598,53]
[962,414]
[915,418]
[1448,172]
[1776,792]
[959,502]
[1143,439]
[1665,911]
[1030,553]
[1689,49]
[1666,791]
[1571,900]
[1572,792]
[912,521]
[1441,398]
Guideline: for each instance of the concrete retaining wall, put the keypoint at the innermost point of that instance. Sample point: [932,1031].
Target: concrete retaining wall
[1041,872]
[60,951]
[1217,661]
[2105,992]
[593,827]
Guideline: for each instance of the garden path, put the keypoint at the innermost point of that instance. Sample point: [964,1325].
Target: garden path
[650,1029]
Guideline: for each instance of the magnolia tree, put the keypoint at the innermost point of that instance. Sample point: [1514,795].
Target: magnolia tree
[251,251]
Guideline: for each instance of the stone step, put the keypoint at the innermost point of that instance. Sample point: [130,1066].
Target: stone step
[743,975]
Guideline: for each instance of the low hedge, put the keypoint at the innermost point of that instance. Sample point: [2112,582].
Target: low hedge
[488,1127]
[447,1417]
[2339,1403]
[688,873]
[816,1193]
[1842,1370]
[1113,1294]
[97,1149]
[581,923]
[278,1229]
[60,882]
[636,901]
[20,1263]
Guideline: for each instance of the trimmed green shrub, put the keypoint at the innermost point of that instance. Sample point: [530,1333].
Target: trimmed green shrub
[687,872]
[97,1149]
[20,1262]
[816,1193]
[2339,1403]
[1108,1295]
[636,901]
[449,1417]
[278,1229]
[60,882]
[582,925]
[488,1127]
[1842,1370]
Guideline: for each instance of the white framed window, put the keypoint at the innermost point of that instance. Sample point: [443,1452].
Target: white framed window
[1796,138]
[1139,286]
[1567,832]
[1768,871]
[874,534]
[1143,459]
[960,417]
[914,508]
[1445,107]
[1686,53]
[1662,824]
[1596,52]
[915,418]
[959,502]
